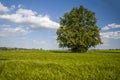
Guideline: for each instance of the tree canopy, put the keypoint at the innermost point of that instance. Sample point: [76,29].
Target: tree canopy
[78,30]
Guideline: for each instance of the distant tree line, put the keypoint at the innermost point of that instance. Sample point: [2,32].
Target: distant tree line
[105,49]
[9,48]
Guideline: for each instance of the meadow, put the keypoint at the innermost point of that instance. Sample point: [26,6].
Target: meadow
[59,65]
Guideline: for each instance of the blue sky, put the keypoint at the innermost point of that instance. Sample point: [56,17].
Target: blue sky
[33,23]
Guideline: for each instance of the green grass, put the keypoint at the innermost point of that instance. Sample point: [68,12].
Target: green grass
[55,65]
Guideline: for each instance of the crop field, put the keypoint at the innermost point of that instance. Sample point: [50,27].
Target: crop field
[59,65]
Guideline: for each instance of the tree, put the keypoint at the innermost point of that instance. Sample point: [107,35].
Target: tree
[78,30]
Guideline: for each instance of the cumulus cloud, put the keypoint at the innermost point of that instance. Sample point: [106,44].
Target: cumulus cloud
[3,8]
[19,6]
[112,34]
[111,26]
[6,30]
[111,31]
[31,18]
[12,7]
[26,12]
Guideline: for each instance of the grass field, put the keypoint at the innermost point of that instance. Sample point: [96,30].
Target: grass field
[58,65]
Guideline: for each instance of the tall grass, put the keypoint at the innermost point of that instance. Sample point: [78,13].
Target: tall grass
[52,65]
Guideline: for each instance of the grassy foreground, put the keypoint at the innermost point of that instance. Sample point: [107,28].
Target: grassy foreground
[53,65]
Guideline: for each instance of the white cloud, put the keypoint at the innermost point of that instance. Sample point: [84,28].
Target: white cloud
[12,7]
[111,34]
[105,28]
[26,12]
[6,30]
[111,26]
[3,8]
[30,18]
[34,22]
[19,6]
